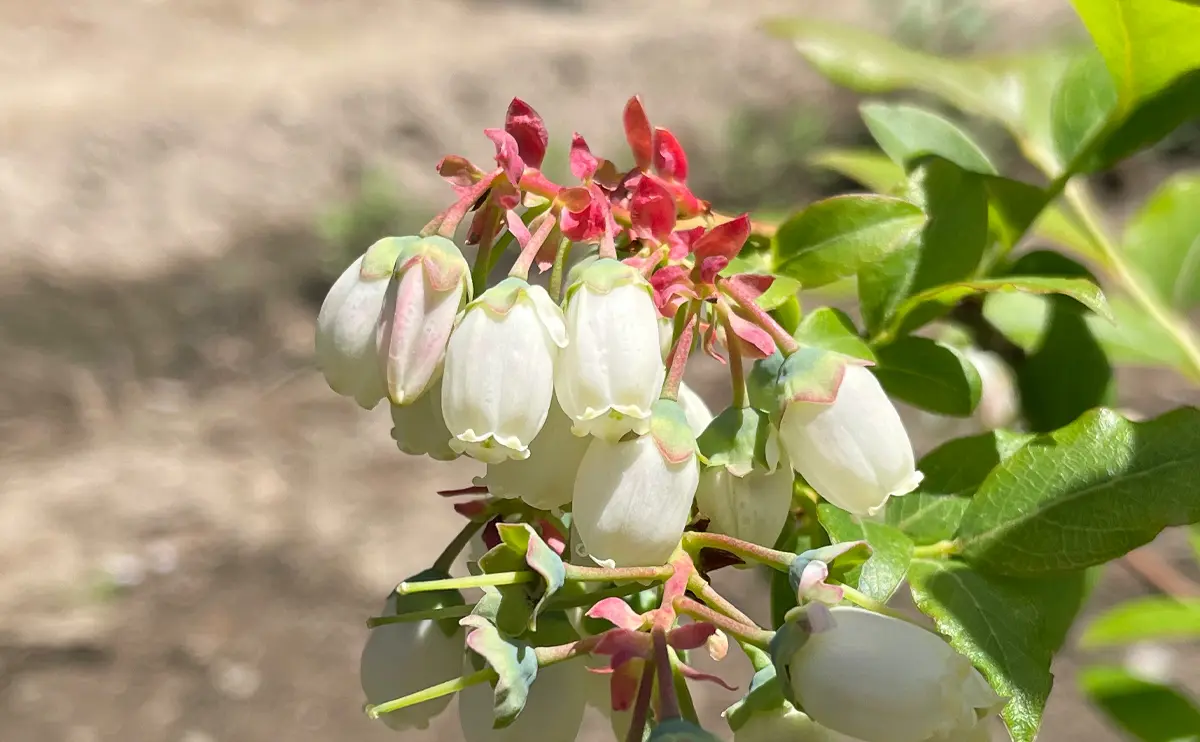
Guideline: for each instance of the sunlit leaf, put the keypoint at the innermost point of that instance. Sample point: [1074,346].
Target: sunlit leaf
[1163,240]
[929,375]
[1156,618]
[1148,711]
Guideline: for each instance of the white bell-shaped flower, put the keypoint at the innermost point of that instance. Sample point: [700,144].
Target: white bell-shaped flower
[753,507]
[632,499]
[882,679]
[553,711]
[499,374]
[429,287]
[418,428]
[855,452]
[697,411]
[546,479]
[391,656]
[347,337]
[612,371]
[784,724]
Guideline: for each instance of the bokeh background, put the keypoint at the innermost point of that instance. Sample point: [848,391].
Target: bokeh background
[192,527]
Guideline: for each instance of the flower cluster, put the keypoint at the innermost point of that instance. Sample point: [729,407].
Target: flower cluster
[565,378]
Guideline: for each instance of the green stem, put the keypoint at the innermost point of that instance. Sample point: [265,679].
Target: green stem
[693,541]
[483,256]
[434,614]
[461,583]
[687,707]
[428,694]
[446,559]
[737,372]
[940,550]
[740,630]
[759,659]
[558,272]
[1077,195]
[713,599]
[620,574]
[866,601]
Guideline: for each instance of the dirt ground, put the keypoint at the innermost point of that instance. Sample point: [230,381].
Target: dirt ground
[192,527]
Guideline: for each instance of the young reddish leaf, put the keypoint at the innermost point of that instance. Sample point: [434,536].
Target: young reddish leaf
[505,194]
[583,226]
[709,342]
[757,342]
[652,211]
[753,284]
[725,240]
[670,161]
[638,133]
[681,241]
[607,175]
[508,157]
[583,162]
[576,198]
[691,636]
[518,228]
[525,126]
[672,286]
[459,172]
[471,508]
[711,266]
[474,489]
[618,613]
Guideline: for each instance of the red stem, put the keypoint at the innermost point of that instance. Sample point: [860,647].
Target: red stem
[446,223]
[677,362]
[747,632]
[641,706]
[668,701]
[787,344]
[546,223]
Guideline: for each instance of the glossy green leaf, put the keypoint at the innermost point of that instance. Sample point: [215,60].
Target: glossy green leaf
[1081,290]
[953,471]
[1083,102]
[891,551]
[1162,240]
[523,540]
[868,167]
[1146,710]
[1066,374]
[1151,121]
[910,133]
[1008,628]
[1156,618]
[832,329]
[929,375]
[514,662]
[948,248]
[1085,494]
[836,237]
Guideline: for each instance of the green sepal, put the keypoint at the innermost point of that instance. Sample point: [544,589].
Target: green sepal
[444,263]
[501,298]
[799,624]
[764,695]
[522,540]
[841,559]
[380,258]
[603,275]
[762,385]
[737,439]
[814,375]
[514,663]
[671,432]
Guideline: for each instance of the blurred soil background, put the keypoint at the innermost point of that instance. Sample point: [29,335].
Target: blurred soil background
[193,528]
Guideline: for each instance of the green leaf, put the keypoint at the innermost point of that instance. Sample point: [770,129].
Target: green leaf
[953,471]
[1150,122]
[1081,290]
[947,249]
[832,329]
[909,133]
[1155,618]
[736,439]
[1144,709]
[834,238]
[1008,628]
[928,375]
[1163,240]
[874,170]
[515,664]
[1083,102]
[891,551]
[1085,494]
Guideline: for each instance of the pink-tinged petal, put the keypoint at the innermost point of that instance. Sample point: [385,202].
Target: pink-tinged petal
[620,642]
[670,161]
[756,342]
[585,225]
[711,266]
[672,285]
[618,613]
[752,284]
[519,231]
[651,211]
[717,645]
[459,172]
[576,198]
[676,585]
[505,194]
[508,156]
[709,333]
[525,126]
[638,133]
[688,204]
[694,674]
[724,239]
[813,587]
[691,636]
[623,685]
[583,162]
